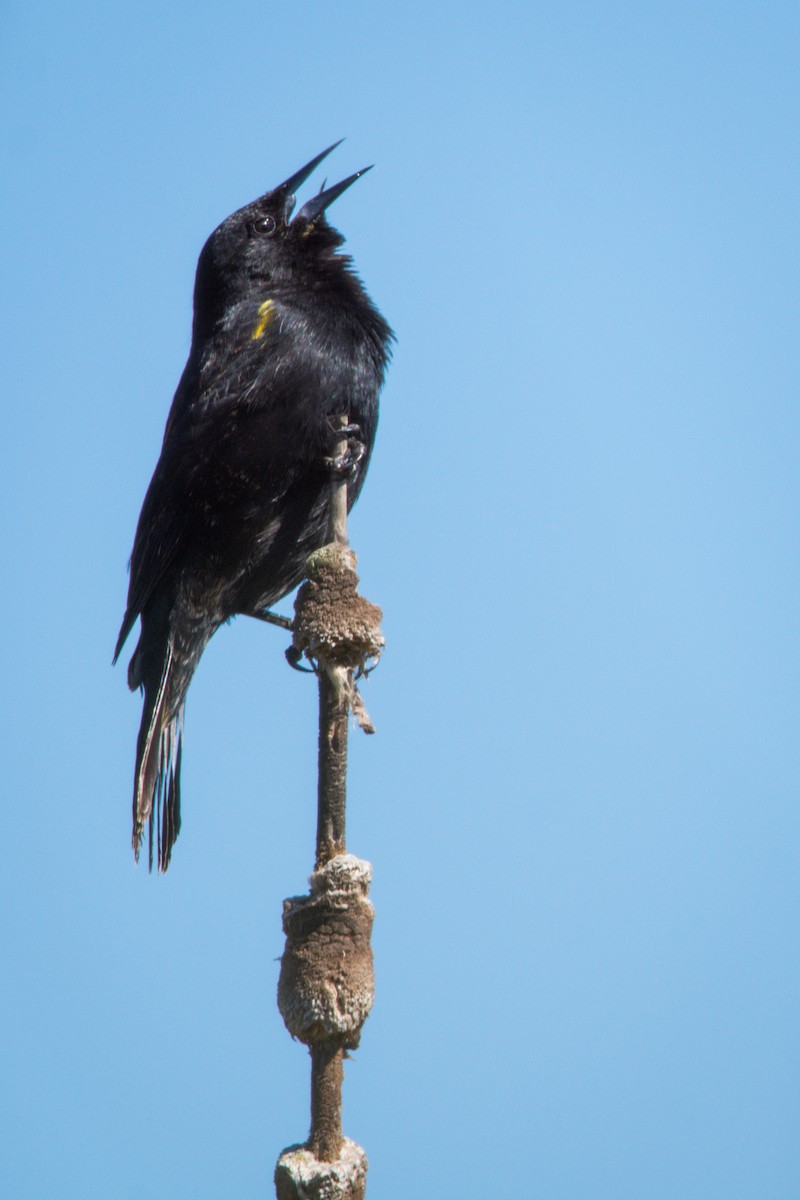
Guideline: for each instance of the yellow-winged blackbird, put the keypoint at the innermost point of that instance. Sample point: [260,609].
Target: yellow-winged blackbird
[284,338]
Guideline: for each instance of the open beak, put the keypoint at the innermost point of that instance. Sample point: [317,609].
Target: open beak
[287,189]
[312,208]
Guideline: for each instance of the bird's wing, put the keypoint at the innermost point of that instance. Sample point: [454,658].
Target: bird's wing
[228,444]
[166,511]
[161,527]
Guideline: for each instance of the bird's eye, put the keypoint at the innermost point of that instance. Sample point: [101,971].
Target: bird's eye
[264,226]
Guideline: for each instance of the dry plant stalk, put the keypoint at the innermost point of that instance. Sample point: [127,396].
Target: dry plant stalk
[326,984]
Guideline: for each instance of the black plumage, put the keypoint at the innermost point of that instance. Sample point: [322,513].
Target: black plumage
[284,339]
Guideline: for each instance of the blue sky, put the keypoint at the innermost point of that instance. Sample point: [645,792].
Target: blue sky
[581,516]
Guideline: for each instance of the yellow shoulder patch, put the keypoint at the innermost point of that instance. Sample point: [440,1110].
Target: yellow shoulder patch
[266,312]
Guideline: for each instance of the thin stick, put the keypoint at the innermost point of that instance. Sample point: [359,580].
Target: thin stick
[333,706]
[332,785]
[327,1072]
[337,523]
[327,1061]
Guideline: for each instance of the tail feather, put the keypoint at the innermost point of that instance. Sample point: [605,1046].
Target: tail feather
[163,664]
[168,793]
[156,789]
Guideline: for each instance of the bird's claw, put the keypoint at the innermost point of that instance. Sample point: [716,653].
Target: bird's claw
[294,658]
[341,465]
[343,431]
[293,655]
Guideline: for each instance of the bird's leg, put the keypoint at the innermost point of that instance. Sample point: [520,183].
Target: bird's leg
[271,618]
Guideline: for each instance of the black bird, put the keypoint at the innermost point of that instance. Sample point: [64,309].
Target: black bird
[284,339]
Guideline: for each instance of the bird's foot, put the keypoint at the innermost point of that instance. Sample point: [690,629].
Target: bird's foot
[294,658]
[342,465]
[336,432]
[293,655]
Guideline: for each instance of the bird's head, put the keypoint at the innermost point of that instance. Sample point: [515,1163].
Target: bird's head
[264,245]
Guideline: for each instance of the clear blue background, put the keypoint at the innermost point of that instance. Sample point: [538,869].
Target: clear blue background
[581,522]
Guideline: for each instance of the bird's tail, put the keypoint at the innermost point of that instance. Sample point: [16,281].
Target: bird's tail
[163,664]
[157,781]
